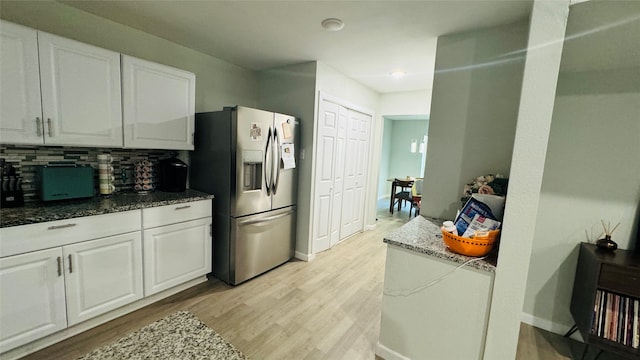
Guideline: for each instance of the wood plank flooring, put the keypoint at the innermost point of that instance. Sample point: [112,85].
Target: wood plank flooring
[325,309]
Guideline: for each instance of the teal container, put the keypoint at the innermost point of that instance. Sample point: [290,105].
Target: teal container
[62,182]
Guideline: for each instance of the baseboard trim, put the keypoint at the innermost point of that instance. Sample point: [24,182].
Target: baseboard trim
[304,257]
[370,227]
[549,325]
[93,322]
[388,354]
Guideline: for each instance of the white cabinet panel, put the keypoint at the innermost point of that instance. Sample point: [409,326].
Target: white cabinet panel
[176,253]
[102,275]
[81,93]
[158,105]
[20,108]
[32,300]
[169,214]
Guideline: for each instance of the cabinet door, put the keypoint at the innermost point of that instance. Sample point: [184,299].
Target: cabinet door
[81,95]
[31,297]
[176,253]
[20,108]
[158,105]
[102,275]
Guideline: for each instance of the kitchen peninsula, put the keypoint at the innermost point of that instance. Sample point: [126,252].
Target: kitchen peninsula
[68,266]
[434,300]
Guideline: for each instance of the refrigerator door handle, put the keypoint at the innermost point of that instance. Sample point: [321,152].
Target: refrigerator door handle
[276,160]
[268,173]
[269,218]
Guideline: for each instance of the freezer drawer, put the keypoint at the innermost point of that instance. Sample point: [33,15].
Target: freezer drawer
[261,242]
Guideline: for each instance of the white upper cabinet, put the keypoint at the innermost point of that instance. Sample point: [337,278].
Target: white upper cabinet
[20,109]
[158,105]
[81,93]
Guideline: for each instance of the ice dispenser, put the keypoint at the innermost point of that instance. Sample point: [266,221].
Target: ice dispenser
[252,170]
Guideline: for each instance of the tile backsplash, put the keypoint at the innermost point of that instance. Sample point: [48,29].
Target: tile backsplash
[25,159]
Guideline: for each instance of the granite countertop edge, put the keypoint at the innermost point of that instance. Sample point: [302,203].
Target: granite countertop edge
[422,235]
[38,212]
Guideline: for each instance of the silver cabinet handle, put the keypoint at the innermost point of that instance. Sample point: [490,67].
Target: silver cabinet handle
[39,126]
[50,127]
[59,266]
[56,227]
[183,207]
[70,265]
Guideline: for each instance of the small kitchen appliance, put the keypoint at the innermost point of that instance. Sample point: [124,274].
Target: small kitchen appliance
[61,181]
[172,175]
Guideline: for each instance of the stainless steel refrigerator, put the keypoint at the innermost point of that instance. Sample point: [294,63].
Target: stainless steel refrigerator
[246,158]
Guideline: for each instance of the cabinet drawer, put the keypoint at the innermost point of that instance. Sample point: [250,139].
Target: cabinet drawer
[25,238]
[624,280]
[171,214]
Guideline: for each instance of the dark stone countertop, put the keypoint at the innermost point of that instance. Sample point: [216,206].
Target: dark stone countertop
[32,213]
[423,235]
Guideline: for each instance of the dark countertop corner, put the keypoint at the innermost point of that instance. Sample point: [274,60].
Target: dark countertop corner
[37,212]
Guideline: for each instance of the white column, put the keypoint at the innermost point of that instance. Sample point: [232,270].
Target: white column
[546,35]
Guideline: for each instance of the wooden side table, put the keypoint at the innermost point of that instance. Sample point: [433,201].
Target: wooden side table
[606,299]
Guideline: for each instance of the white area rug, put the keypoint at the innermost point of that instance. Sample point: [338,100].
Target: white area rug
[180,335]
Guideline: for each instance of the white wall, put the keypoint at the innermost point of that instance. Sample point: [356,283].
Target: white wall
[592,173]
[406,102]
[218,83]
[474,109]
[385,154]
[292,90]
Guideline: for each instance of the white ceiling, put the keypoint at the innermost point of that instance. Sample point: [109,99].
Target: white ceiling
[378,37]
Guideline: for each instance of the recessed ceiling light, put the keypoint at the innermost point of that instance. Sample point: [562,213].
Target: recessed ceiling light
[398,74]
[332,24]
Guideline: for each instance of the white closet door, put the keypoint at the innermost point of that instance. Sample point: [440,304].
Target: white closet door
[339,175]
[327,144]
[355,170]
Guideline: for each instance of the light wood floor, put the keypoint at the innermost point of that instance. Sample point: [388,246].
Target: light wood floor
[325,309]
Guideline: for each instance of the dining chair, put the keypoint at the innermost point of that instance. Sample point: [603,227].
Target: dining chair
[404,194]
[416,197]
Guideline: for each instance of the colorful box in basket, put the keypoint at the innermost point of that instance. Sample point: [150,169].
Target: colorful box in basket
[487,206]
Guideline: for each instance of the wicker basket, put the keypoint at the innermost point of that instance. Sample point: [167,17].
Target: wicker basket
[468,246]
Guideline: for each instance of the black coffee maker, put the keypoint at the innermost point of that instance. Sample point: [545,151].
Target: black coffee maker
[172,174]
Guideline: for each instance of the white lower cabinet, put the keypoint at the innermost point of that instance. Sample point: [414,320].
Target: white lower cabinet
[102,275]
[48,290]
[176,253]
[32,301]
[57,274]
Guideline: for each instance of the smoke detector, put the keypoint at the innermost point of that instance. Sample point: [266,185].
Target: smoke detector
[332,24]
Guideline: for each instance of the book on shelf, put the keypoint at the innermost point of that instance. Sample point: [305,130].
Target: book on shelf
[616,318]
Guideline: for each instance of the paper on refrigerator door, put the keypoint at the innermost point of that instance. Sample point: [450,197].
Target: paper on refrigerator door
[255,132]
[286,130]
[288,156]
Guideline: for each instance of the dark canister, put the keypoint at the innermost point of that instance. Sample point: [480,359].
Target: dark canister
[172,174]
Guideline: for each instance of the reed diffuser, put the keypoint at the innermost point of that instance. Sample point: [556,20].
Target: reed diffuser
[606,243]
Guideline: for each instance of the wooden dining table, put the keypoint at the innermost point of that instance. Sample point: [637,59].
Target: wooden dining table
[403,184]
